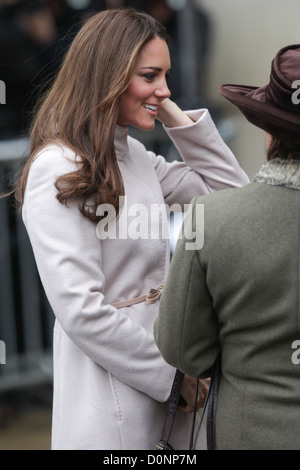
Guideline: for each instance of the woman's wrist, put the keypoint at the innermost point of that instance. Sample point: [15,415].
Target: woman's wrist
[172,116]
[179,121]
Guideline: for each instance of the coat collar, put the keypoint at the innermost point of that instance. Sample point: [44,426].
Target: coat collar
[279,172]
[121,142]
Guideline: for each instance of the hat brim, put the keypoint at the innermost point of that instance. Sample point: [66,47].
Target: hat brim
[252,103]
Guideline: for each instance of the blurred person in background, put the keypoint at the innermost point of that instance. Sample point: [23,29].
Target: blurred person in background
[34,36]
[31,50]
[238,296]
[111,384]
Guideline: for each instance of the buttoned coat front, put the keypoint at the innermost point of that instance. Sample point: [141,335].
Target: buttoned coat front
[239,294]
[110,381]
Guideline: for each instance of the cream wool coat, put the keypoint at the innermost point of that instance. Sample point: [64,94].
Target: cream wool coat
[110,381]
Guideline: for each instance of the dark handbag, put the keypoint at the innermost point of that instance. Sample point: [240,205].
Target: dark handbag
[210,405]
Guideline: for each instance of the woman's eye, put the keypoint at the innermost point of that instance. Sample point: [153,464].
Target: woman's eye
[149,76]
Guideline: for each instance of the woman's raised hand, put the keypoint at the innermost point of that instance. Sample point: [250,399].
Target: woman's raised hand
[171,115]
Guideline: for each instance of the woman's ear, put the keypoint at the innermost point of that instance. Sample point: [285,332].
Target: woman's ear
[268,140]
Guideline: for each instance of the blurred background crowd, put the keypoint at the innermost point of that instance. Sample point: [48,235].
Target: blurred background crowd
[212,42]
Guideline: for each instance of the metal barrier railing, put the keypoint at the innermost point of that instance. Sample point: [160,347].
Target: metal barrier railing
[26,319]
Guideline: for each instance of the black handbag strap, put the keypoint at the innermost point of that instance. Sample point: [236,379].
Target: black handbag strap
[212,404]
[171,412]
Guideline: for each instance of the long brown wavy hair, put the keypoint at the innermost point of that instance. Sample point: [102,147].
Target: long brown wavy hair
[81,108]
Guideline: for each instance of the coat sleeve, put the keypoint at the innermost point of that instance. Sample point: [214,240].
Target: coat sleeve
[68,256]
[208,164]
[186,329]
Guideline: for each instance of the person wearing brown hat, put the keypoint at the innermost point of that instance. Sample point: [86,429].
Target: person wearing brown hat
[238,295]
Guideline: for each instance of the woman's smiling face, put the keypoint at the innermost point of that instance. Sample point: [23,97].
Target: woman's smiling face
[148,86]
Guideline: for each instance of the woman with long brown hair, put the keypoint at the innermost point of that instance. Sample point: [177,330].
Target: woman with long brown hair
[110,381]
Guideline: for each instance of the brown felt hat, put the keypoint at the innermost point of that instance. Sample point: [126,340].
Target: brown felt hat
[274,107]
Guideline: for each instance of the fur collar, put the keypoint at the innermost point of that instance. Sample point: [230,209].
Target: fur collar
[279,172]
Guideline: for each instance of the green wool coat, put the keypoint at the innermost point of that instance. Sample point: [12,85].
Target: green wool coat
[239,294]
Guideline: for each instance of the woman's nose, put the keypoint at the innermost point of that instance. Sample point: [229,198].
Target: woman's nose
[162,91]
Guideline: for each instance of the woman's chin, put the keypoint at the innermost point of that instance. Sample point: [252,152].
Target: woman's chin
[147,126]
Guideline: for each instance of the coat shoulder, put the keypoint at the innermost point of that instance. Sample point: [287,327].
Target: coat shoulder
[55,154]
[230,202]
[225,196]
